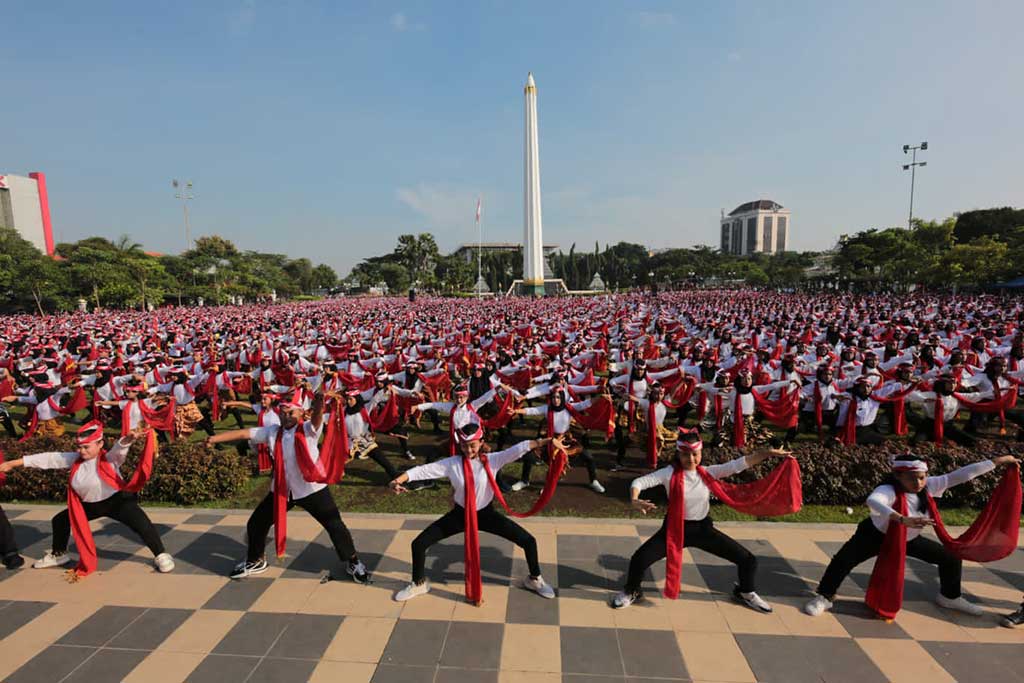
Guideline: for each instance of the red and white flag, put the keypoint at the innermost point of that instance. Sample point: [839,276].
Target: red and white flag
[477,209]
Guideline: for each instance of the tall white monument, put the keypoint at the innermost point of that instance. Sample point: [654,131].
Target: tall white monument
[533,244]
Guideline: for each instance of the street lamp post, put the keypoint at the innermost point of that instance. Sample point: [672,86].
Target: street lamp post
[184,193]
[912,167]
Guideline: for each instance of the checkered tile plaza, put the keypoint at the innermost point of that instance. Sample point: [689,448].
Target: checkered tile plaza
[129,623]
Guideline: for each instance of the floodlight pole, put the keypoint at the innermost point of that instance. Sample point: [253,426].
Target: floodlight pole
[912,166]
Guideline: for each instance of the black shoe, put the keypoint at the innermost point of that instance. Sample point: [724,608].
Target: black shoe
[357,570]
[14,561]
[1013,620]
[244,569]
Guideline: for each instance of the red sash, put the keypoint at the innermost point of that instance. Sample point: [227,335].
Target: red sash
[779,493]
[84,541]
[992,536]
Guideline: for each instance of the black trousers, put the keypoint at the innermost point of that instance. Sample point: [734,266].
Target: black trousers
[123,507]
[454,522]
[383,461]
[8,546]
[696,534]
[866,435]
[323,509]
[8,423]
[925,431]
[866,543]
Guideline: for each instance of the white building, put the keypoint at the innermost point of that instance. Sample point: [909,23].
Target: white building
[758,227]
[24,206]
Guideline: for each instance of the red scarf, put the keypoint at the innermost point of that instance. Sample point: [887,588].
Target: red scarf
[818,418]
[739,432]
[474,585]
[992,536]
[263,462]
[899,408]
[328,469]
[652,434]
[600,416]
[384,417]
[84,541]
[849,434]
[783,412]
[779,493]
[157,418]
[76,403]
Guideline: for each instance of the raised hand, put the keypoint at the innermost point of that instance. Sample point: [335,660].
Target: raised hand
[643,506]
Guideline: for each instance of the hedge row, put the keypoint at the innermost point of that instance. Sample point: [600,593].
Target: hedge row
[846,476]
[185,473]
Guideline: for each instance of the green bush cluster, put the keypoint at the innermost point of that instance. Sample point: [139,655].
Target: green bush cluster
[185,473]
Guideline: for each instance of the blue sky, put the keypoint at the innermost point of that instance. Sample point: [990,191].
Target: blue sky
[326,129]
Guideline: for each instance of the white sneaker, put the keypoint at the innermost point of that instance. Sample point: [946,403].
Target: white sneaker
[539,586]
[817,605]
[409,455]
[959,604]
[752,600]
[596,486]
[164,563]
[624,599]
[519,486]
[51,559]
[413,590]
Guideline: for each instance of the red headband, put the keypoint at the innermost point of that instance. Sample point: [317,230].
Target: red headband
[90,432]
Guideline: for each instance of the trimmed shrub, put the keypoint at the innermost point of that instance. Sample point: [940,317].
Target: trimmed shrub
[185,473]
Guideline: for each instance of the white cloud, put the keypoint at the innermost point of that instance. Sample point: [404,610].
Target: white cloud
[448,210]
[651,19]
[401,23]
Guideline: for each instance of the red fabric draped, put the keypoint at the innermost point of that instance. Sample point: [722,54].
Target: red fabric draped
[76,403]
[739,432]
[7,388]
[939,420]
[652,434]
[214,395]
[383,418]
[899,408]
[474,585]
[600,416]
[848,436]
[87,559]
[506,410]
[783,412]
[992,536]
[780,493]
[263,463]
[157,418]
[328,469]
[437,386]
[818,418]
[681,393]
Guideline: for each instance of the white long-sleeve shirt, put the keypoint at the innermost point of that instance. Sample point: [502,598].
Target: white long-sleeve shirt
[697,496]
[451,468]
[562,419]
[882,499]
[87,483]
[298,487]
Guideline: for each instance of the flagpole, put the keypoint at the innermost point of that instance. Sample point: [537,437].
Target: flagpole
[479,247]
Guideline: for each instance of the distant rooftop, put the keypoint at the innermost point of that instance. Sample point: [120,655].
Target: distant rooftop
[759,205]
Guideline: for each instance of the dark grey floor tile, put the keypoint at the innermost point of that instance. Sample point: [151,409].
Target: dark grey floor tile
[465,676]
[416,643]
[577,547]
[52,664]
[651,653]
[272,670]
[619,546]
[390,673]
[151,629]
[416,524]
[777,575]
[34,539]
[307,636]
[204,518]
[108,666]
[979,661]
[473,645]
[215,552]
[14,513]
[319,555]
[239,595]
[223,669]
[590,651]
[582,573]
[253,635]
[526,607]
[861,622]
[16,614]
[104,624]
[798,659]
[588,678]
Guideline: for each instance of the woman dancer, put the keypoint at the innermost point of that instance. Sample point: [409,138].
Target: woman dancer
[473,471]
[688,523]
[906,498]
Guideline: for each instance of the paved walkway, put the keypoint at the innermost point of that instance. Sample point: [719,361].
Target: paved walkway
[129,623]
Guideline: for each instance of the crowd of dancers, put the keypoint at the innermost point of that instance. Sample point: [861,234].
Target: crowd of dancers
[659,378]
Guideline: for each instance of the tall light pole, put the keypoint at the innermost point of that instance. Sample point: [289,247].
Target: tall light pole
[184,193]
[912,167]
